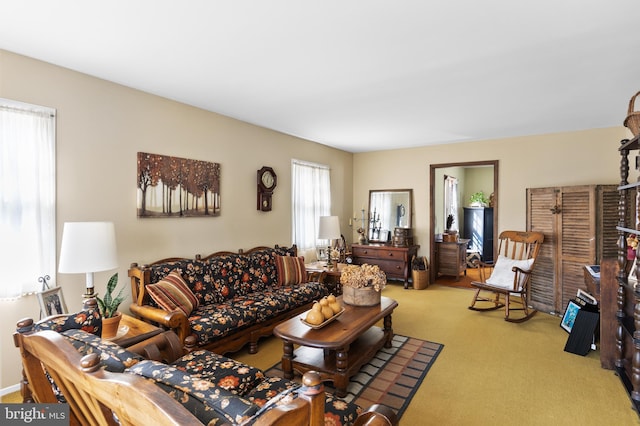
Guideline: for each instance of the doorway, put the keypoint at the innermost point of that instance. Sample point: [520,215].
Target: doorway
[436,196]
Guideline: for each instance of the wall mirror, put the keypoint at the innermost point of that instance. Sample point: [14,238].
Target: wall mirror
[472,177]
[388,209]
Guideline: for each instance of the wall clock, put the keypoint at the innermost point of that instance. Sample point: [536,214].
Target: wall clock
[267,181]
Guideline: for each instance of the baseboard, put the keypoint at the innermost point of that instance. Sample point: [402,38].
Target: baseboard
[10,389]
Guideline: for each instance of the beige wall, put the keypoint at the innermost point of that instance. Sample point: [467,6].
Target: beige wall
[572,158]
[102,125]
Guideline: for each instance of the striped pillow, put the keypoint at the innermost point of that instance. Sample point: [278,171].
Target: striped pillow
[290,270]
[172,293]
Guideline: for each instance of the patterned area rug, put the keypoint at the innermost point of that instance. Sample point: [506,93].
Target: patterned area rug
[392,377]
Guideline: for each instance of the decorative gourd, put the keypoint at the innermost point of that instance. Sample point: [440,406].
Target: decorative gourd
[327,312]
[314,317]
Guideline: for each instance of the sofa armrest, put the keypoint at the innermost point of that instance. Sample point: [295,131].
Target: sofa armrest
[175,320]
[165,347]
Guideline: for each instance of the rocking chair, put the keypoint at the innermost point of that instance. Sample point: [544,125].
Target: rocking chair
[509,276]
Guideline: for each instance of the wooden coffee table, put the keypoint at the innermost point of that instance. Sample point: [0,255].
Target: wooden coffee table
[339,349]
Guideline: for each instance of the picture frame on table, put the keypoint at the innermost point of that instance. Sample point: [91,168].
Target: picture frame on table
[52,302]
[569,316]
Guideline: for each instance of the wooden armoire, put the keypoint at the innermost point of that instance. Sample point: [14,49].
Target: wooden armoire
[579,226]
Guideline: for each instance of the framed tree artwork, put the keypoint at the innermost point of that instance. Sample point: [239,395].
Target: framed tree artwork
[177,187]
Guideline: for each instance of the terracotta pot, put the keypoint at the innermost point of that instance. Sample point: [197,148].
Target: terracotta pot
[110,326]
[366,296]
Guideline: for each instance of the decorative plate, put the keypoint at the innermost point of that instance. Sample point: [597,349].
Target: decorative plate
[322,324]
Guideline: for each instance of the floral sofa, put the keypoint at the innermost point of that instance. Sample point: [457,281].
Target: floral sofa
[213,389]
[225,300]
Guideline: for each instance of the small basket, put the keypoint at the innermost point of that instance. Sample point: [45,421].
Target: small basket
[632,122]
[420,277]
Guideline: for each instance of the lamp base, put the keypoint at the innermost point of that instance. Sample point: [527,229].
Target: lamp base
[89,293]
[329,263]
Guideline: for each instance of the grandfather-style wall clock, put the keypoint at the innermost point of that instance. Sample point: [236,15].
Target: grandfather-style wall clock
[267,181]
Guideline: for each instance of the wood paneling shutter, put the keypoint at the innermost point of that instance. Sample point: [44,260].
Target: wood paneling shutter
[579,226]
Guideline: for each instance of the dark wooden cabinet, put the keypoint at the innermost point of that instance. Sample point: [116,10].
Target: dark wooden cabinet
[451,258]
[478,229]
[394,261]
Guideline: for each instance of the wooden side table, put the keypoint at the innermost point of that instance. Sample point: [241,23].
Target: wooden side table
[451,258]
[133,330]
[332,275]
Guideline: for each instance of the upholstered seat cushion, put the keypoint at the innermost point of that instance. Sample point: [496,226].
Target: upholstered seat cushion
[214,321]
[224,372]
[276,300]
[337,411]
[210,403]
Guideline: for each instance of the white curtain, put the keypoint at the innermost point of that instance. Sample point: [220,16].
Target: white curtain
[27,197]
[311,192]
[451,200]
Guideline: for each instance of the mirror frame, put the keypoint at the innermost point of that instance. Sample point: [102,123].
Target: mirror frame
[409,208]
[432,214]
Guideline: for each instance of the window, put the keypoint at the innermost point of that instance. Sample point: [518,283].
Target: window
[27,197]
[451,200]
[311,192]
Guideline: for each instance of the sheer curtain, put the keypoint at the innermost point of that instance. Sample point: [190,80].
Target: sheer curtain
[311,192]
[451,200]
[27,197]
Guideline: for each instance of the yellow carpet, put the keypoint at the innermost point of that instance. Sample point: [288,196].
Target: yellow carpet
[491,372]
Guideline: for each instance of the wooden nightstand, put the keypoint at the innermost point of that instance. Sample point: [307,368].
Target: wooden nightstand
[136,331]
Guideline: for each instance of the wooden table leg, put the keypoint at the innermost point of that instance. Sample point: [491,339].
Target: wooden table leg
[341,379]
[388,331]
[287,359]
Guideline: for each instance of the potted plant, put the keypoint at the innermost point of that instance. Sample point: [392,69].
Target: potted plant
[108,307]
[362,284]
[449,224]
[478,199]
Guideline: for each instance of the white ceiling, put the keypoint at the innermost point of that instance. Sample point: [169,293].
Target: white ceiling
[359,75]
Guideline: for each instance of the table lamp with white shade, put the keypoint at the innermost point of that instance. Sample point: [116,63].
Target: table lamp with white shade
[88,247]
[329,229]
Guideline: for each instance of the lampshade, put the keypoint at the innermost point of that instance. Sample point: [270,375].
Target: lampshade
[329,228]
[88,247]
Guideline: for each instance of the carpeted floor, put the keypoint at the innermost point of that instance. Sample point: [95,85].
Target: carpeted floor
[392,376]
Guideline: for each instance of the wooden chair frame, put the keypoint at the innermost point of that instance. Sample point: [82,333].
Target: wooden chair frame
[515,245]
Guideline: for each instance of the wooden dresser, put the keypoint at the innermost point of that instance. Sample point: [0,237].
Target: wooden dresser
[451,258]
[394,261]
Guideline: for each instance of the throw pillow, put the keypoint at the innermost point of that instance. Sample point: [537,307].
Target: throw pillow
[291,270]
[172,293]
[503,275]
